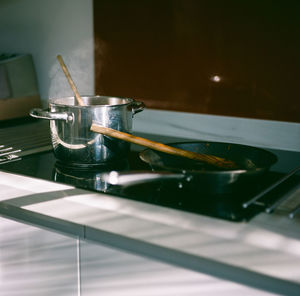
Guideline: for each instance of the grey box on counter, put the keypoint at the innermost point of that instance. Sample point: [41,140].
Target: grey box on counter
[18,86]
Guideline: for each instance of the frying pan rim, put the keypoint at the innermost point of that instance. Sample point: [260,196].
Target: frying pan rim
[229,171]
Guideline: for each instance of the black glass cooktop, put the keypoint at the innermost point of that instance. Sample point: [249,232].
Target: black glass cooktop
[169,193]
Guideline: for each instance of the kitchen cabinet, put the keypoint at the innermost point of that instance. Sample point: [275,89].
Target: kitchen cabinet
[35,262]
[230,58]
[113,272]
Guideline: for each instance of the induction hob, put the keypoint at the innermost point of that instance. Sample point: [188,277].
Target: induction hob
[167,193]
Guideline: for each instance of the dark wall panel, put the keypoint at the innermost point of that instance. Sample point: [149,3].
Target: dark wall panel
[235,58]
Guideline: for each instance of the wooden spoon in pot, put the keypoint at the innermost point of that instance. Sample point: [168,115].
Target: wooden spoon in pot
[70,80]
[210,159]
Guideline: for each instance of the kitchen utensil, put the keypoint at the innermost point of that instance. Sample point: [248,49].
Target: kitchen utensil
[210,159]
[8,154]
[252,163]
[74,143]
[70,80]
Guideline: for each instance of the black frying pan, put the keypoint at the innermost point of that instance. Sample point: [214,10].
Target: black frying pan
[252,163]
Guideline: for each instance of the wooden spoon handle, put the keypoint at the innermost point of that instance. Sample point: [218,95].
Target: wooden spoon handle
[70,80]
[211,159]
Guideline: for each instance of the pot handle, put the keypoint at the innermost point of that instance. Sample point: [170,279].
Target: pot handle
[46,114]
[137,107]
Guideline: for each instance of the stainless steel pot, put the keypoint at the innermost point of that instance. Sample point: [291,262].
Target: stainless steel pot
[73,142]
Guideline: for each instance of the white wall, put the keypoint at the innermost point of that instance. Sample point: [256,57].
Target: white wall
[45,28]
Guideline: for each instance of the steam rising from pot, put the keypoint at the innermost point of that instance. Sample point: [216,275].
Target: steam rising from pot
[80,64]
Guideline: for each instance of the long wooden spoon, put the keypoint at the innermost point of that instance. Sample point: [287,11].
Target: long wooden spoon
[70,80]
[210,159]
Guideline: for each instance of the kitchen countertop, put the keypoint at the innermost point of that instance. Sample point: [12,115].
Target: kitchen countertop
[263,253]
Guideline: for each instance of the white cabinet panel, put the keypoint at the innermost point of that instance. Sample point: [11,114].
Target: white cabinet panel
[110,272]
[36,262]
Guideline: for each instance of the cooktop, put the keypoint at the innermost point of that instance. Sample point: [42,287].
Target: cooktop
[167,193]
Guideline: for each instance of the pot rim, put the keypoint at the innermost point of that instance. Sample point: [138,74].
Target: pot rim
[52,101]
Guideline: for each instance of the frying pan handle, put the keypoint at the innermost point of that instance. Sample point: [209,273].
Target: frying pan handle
[137,107]
[46,114]
[139,177]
